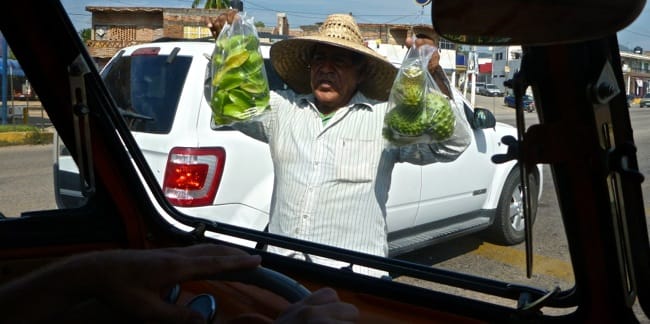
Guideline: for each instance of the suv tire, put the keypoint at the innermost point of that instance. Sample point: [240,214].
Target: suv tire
[508,227]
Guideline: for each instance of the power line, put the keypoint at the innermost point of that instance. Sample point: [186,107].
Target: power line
[635,33]
[367,18]
[307,17]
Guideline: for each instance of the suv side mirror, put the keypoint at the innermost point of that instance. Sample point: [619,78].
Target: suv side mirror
[482,119]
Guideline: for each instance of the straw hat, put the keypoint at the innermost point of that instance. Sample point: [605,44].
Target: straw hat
[290,57]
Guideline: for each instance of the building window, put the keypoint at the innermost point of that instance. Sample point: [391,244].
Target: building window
[191,32]
[445,44]
[101,32]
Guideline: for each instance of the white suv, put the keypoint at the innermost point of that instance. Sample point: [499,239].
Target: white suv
[223,175]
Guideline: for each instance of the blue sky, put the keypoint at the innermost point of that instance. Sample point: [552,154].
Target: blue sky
[306,12]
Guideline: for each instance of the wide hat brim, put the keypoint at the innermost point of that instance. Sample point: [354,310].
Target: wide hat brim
[290,60]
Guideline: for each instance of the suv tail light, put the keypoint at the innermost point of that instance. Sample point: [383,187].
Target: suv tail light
[192,175]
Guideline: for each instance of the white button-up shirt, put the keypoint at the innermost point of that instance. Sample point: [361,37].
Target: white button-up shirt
[332,180]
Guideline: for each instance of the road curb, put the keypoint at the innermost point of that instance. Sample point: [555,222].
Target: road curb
[25,138]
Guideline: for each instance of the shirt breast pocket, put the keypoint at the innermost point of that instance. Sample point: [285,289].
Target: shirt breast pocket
[356,160]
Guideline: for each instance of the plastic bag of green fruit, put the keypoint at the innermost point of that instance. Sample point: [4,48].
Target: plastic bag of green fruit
[418,112]
[240,88]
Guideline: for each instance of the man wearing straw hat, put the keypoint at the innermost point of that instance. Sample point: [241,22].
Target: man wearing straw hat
[332,165]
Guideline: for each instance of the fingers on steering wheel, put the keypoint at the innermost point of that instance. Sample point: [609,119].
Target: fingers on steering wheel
[322,296]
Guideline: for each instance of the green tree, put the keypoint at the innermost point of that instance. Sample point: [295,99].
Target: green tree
[85,34]
[259,24]
[212,4]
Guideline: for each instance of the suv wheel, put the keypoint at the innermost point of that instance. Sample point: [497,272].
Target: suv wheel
[508,227]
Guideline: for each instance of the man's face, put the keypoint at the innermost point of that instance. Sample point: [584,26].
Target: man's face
[334,75]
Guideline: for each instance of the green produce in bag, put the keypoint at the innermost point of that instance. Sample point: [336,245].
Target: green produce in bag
[240,88]
[418,111]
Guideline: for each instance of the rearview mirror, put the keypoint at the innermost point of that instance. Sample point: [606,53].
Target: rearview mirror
[483,119]
[531,22]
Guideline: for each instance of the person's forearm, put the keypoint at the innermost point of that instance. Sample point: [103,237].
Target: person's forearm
[439,76]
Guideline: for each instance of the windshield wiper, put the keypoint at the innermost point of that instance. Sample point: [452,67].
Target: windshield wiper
[133,115]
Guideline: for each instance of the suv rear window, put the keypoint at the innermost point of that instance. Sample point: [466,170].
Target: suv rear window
[275,82]
[147,89]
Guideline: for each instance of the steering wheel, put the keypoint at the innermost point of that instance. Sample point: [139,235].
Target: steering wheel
[266,278]
[271,280]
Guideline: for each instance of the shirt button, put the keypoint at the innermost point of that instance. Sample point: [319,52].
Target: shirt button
[305,216]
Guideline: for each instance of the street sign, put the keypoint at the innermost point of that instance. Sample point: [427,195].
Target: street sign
[422,2]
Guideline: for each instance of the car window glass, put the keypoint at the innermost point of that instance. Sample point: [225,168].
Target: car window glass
[466,194]
[473,252]
[275,82]
[149,86]
[26,150]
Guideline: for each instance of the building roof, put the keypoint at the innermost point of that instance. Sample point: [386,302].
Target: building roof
[124,9]
[104,9]
[632,55]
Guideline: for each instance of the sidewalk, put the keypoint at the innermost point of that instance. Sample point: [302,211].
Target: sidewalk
[36,116]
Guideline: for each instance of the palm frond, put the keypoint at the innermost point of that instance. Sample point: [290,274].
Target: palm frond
[212,4]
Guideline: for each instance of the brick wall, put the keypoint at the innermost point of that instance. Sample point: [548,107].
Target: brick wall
[143,24]
[188,16]
[123,26]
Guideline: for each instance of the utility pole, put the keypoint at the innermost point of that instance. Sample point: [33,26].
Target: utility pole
[5,65]
[472,67]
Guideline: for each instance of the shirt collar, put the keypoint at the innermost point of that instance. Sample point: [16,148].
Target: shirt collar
[358,100]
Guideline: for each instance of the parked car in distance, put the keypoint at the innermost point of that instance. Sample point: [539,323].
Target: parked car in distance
[490,90]
[164,90]
[645,101]
[478,84]
[528,103]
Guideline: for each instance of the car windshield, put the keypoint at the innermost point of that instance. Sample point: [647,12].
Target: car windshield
[331,178]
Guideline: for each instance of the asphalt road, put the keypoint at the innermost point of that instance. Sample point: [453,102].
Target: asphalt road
[26,179]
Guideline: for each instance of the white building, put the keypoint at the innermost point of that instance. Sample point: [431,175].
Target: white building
[395,54]
[636,73]
[505,63]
